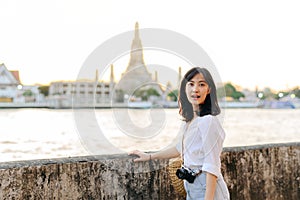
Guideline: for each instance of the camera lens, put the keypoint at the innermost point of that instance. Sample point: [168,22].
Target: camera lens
[180,174]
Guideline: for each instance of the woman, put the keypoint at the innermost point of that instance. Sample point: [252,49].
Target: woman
[202,140]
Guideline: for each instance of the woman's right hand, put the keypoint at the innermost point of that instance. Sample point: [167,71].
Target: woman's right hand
[141,156]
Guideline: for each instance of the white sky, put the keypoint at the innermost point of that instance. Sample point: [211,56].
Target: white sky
[252,43]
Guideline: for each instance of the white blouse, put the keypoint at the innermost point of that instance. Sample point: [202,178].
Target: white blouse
[202,144]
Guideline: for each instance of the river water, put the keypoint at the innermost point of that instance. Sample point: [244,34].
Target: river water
[48,133]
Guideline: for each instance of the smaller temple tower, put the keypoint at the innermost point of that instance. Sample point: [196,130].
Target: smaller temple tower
[112,74]
[179,77]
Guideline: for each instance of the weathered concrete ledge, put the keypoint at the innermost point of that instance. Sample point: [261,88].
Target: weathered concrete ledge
[256,172]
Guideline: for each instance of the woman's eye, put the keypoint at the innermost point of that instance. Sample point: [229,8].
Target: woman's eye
[191,84]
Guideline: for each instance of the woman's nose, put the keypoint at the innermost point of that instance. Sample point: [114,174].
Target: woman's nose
[196,88]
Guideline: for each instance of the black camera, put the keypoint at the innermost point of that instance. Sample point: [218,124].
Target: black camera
[187,174]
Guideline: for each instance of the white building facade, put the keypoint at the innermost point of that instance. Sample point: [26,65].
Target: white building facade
[10,84]
[83,93]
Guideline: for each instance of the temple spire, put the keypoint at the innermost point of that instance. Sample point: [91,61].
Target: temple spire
[136,54]
[136,74]
[96,76]
[112,74]
[136,31]
[179,77]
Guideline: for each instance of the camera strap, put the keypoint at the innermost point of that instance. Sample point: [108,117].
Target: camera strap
[182,143]
[196,171]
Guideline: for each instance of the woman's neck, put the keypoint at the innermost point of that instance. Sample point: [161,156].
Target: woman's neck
[196,112]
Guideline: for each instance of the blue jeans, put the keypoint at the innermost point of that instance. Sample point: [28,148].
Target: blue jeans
[196,190]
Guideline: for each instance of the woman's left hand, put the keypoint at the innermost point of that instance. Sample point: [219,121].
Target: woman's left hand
[141,156]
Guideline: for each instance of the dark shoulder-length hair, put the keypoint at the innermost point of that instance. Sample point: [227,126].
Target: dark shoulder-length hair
[210,105]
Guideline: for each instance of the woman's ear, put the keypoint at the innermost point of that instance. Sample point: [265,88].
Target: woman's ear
[208,91]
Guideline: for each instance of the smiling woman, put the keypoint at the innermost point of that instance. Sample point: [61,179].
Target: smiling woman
[202,139]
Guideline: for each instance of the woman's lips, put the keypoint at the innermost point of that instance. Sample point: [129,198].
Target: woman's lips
[195,97]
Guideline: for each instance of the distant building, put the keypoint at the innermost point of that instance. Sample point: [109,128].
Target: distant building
[13,91]
[87,93]
[10,84]
[81,92]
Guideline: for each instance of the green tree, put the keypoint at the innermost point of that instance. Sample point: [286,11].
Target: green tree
[296,91]
[231,91]
[280,95]
[173,95]
[144,94]
[237,95]
[44,90]
[152,92]
[28,93]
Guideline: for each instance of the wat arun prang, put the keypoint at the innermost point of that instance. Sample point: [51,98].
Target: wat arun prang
[137,76]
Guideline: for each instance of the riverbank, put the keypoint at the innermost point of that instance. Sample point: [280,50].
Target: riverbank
[146,105]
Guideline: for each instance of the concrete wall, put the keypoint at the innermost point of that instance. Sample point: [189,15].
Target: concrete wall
[258,172]
[263,172]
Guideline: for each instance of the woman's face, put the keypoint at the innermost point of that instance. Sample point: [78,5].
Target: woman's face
[196,90]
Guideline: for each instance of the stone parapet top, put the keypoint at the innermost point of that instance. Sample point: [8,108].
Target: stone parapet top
[260,146]
[80,159]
